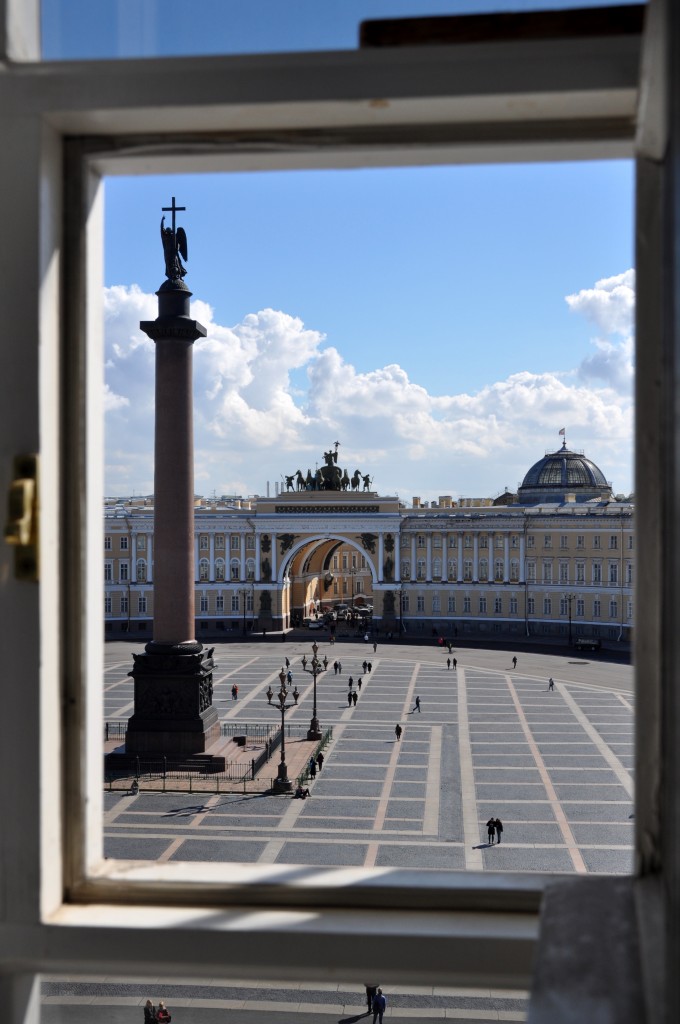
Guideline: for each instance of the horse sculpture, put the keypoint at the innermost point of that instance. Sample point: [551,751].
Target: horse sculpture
[345,481]
[356,480]
[300,481]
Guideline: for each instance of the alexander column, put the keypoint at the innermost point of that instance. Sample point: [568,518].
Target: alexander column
[174,713]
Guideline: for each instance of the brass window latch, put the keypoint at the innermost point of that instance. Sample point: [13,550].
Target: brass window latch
[21,529]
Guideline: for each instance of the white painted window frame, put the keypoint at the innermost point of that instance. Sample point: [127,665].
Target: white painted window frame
[63,127]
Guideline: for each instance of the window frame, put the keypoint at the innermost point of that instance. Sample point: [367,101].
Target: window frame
[49,872]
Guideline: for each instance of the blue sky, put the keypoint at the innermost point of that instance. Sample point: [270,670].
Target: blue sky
[442,323]
[74,29]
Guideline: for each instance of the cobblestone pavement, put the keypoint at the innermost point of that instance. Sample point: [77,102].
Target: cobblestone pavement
[489,740]
[245,1002]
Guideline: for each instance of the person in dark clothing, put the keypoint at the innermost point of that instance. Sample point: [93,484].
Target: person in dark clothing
[370,996]
[320,760]
[335,668]
[365,666]
[514,662]
[339,667]
[417,705]
[448,664]
[369,667]
[499,829]
[398,731]
[491,830]
[379,1004]
[359,683]
[375,648]
[551,683]
[349,698]
[287,663]
[355,697]
[351,680]
[312,767]
[149,1012]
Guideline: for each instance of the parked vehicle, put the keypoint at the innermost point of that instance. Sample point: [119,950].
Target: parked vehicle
[587,643]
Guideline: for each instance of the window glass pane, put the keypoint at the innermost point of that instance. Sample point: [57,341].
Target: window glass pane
[81,29]
[339,291]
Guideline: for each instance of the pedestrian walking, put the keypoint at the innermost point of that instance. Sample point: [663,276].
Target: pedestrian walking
[351,680]
[234,692]
[551,683]
[149,1012]
[320,759]
[359,683]
[370,996]
[312,767]
[335,668]
[287,663]
[375,647]
[398,731]
[417,705]
[369,667]
[339,668]
[349,698]
[379,1004]
[162,1013]
[448,664]
[455,664]
[499,829]
[290,677]
[514,662]
[355,697]
[364,665]
[491,830]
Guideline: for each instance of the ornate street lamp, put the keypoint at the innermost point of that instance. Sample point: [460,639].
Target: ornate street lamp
[282,783]
[316,667]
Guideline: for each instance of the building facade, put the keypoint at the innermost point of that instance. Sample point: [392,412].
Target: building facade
[558,563]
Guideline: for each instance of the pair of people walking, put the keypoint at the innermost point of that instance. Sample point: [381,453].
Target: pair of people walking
[352,698]
[449,663]
[151,1014]
[494,829]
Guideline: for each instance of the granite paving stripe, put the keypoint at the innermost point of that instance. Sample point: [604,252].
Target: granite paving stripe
[570,842]
[473,858]
[608,754]
[220,850]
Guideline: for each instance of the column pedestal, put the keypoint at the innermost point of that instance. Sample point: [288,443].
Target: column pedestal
[174,715]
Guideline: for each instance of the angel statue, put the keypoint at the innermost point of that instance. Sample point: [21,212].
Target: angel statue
[174,243]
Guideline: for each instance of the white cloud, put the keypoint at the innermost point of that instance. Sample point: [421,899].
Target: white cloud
[610,305]
[271,396]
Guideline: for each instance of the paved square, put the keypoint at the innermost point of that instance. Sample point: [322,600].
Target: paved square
[489,741]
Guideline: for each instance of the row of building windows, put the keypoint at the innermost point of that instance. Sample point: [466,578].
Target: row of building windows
[464,606]
[513,576]
[483,540]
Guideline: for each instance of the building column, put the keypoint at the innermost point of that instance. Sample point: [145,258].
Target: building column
[506,558]
[428,558]
[243,558]
[274,554]
[521,559]
[133,557]
[149,556]
[475,558]
[381,558]
[459,573]
[397,558]
[445,557]
[413,556]
[211,558]
[257,558]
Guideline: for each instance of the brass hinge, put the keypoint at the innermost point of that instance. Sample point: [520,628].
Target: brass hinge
[22,517]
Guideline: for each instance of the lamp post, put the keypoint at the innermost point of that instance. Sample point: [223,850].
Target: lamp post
[570,598]
[282,783]
[316,667]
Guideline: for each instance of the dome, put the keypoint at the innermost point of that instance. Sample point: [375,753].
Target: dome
[560,473]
